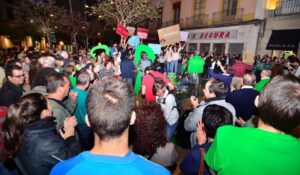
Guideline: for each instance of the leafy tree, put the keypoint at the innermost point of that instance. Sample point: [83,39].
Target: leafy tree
[124,11]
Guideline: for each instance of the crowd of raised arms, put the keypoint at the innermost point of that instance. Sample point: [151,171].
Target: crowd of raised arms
[66,113]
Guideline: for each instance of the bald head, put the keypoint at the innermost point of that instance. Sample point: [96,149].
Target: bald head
[249,80]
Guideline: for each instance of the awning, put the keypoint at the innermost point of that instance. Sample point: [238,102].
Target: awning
[284,40]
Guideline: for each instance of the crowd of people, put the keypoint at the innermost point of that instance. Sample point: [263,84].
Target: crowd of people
[66,113]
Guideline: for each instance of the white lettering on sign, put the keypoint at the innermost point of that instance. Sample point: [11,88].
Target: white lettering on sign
[231,34]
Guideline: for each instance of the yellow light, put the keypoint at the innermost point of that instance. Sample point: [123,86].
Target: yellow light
[271,4]
[51,15]
[61,43]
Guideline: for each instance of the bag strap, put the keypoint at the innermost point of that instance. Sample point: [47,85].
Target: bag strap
[202,166]
[152,75]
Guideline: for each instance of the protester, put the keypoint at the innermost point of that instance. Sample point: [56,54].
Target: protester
[265,78]
[149,136]
[110,112]
[268,149]
[12,90]
[31,138]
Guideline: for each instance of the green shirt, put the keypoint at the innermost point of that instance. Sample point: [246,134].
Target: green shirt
[261,84]
[80,111]
[73,81]
[252,151]
[196,65]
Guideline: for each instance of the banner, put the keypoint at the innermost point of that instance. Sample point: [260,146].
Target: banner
[248,58]
[131,30]
[122,31]
[143,33]
[155,47]
[134,41]
[169,35]
[184,36]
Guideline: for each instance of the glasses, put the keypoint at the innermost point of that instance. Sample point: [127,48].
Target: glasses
[19,76]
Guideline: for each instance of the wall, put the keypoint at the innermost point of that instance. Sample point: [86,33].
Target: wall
[278,23]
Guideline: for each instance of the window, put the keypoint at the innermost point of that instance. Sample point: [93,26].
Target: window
[235,48]
[199,7]
[219,48]
[176,12]
[229,7]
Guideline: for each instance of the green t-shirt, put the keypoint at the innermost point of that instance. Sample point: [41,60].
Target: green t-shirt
[252,151]
[73,81]
[261,84]
[196,65]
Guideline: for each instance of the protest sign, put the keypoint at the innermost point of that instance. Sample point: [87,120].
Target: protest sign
[248,58]
[122,31]
[134,40]
[130,30]
[184,36]
[155,47]
[169,35]
[143,33]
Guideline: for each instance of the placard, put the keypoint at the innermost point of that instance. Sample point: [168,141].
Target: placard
[122,31]
[155,47]
[184,36]
[248,58]
[134,41]
[169,35]
[130,30]
[143,33]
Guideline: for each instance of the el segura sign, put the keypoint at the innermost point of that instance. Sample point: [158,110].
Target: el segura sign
[229,34]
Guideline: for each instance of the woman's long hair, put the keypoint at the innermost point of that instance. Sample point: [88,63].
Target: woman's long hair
[26,111]
[149,130]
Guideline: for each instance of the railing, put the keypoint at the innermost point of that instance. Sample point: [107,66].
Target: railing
[285,8]
[228,16]
[173,22]
[196,21]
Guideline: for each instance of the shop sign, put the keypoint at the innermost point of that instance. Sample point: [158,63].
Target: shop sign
[229,34]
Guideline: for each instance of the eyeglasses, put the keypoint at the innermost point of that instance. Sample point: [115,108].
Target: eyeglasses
[19,76]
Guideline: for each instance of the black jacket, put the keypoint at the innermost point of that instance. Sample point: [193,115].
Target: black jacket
[10,94]
[42,147]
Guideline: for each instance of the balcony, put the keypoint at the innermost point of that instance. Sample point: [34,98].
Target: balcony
[286,8]
[228,16]
[196,21]
[173,22]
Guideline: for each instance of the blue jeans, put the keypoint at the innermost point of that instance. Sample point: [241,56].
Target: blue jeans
[85,135]
[171,130]
[169,64]
[175,66]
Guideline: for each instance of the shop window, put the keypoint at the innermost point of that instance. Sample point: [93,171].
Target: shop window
[204,48]
[219,48]
[176,12]
[192,47]
[236,48]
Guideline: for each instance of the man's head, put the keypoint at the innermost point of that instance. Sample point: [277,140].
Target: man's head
[265,73]
[109,106]
[14,74]
[64,54]
[248,79]
[215,116]
[159,87]
[58,84]
[49,61]
[148,69]
[279,103]
[215,88]
[83,79]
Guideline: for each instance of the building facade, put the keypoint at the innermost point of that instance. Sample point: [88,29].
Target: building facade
[231,26]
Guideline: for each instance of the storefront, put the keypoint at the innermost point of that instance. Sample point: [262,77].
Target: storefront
[284,40]
[241,39]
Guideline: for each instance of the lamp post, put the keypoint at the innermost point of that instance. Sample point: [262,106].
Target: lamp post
[73,34]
